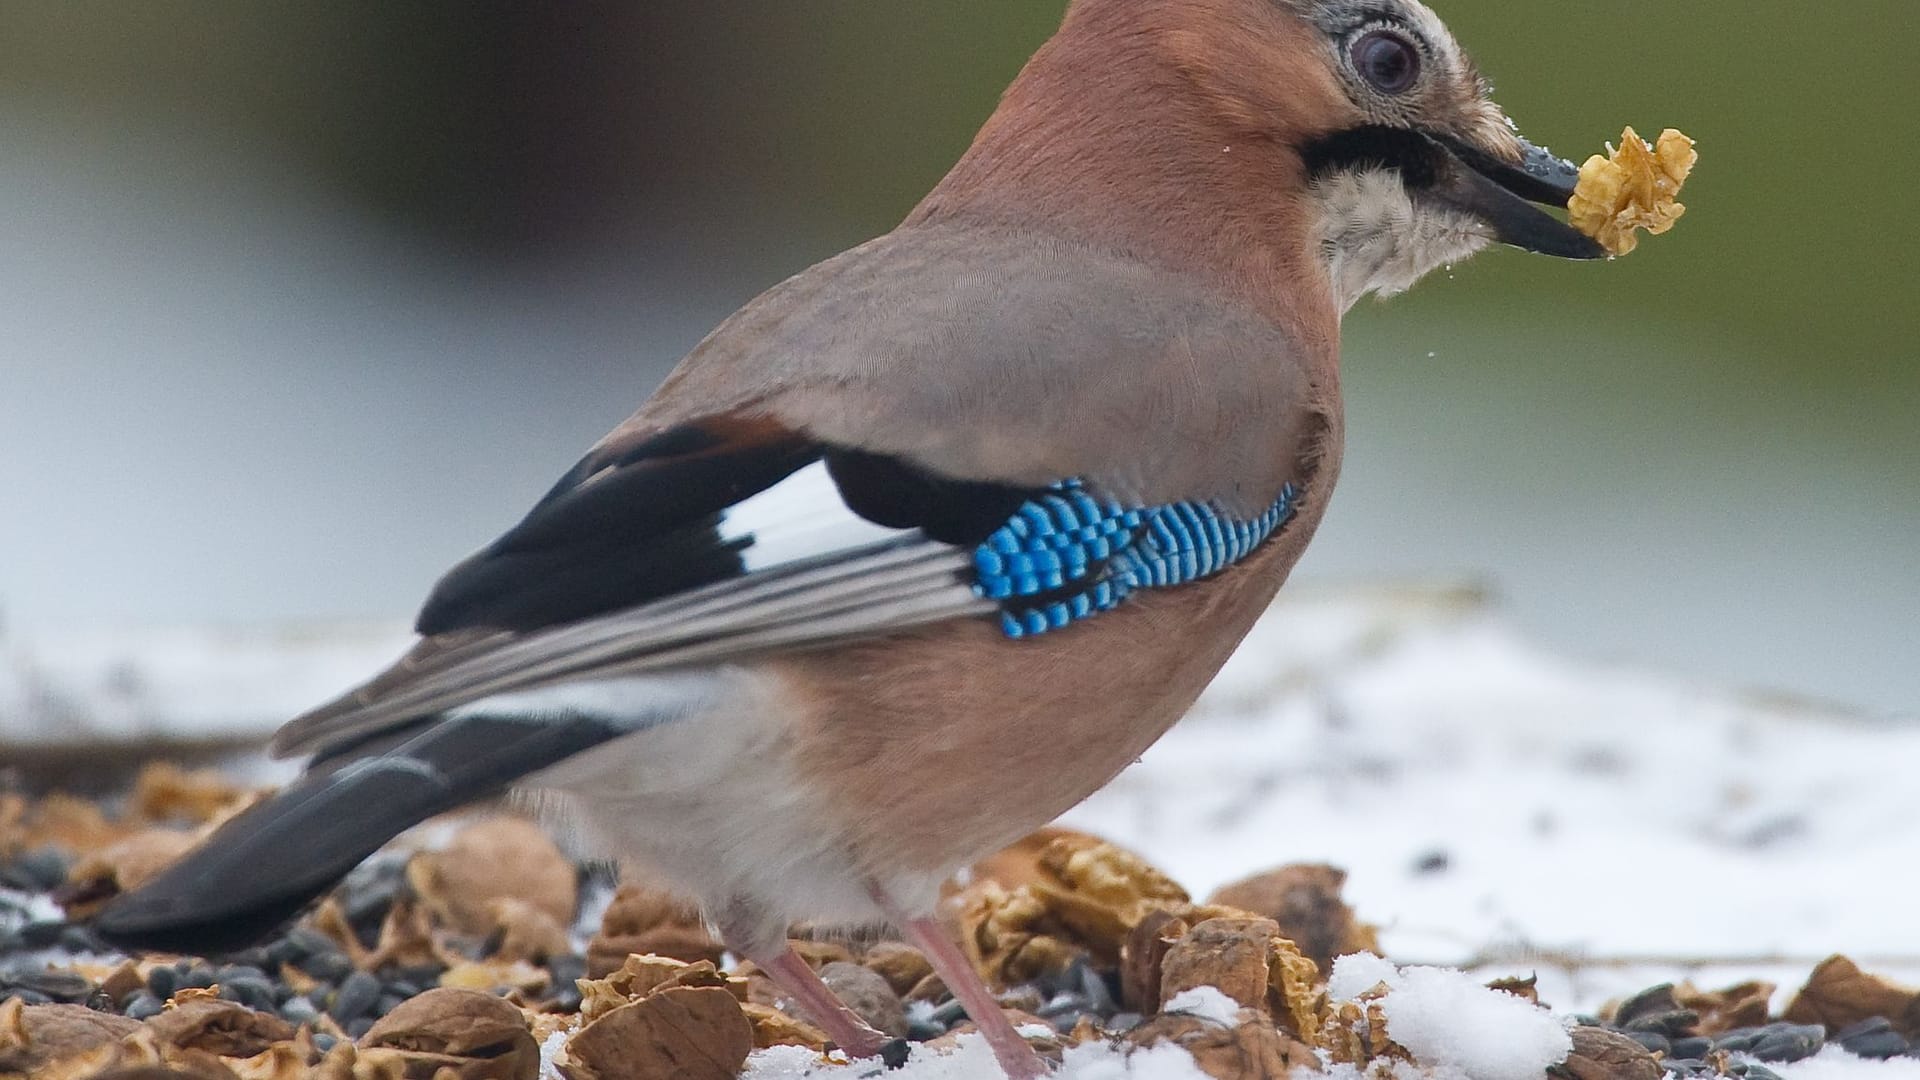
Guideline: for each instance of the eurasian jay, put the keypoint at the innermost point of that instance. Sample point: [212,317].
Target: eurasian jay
[925,544]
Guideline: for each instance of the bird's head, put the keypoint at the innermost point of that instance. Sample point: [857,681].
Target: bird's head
[1351,134]
[1410,162]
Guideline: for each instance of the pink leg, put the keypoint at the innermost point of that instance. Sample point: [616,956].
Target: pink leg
[1016,1058]
[817,1000]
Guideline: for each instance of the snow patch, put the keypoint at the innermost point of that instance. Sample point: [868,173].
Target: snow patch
[1206,1003]
[550,1049]
[1098,1061]
[1454,1026]
[1833,1063]
[1357,973]
[971,1059]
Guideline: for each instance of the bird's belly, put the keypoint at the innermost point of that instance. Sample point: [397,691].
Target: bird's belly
[709,805]
[814,777]
[938,747]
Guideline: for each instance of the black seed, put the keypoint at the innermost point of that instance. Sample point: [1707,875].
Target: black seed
[922,1030]
[358,995]
[567,967]
[36,871]
[41,935]
[1789,1042]
[1103,997]
[425,974]
[254,957]
[387,1003]
[278,954]
[894,1055]
[1125,1021]
[305,941]
[1872,1025]
[949,1014]
[26,997]
[1671,1023]
[1655,1042]
[1651,1001]
[1761,1072]
[253,991]
[82,939]
[298,1010]
[324,1042]
[163,981]
[359,1028]
[329,966]
[1066,1006]
[101,1001]
[1693,1046]
[142,1005]
[1878,1045]
[54,985]
[229,972]
[199,975]
[402,989]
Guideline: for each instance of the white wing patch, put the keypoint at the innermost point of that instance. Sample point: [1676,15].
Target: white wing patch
[816,573]
[637,701]
[798,518]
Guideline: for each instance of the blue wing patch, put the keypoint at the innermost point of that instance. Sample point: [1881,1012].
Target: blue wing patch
[1066,555]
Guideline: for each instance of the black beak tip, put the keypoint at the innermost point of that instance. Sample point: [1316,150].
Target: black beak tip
[1500,192]
[1573,245]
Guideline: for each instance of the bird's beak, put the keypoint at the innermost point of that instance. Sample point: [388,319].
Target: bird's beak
[1502,194]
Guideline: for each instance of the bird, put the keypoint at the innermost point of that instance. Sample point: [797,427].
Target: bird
[927,543]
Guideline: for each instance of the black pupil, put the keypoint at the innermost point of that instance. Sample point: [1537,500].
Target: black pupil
[1386,62]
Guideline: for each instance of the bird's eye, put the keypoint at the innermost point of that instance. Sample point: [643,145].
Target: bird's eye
[1388,62]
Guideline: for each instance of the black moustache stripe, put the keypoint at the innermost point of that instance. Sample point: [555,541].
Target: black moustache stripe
[1410,153]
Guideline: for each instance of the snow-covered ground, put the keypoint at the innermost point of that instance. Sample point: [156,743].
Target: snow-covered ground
[126,685]
[1499,808]
[1508,810]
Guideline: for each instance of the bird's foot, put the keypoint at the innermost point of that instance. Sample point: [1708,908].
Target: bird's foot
[815,998]
[1016,1056]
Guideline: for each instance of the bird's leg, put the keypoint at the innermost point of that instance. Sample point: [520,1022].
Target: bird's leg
[801,983]
[750,931]
[1017,1059]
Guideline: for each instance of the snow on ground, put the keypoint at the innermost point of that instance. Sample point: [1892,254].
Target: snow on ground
[1499,808]
[108,686]
[973,1061]
[1512,811]
[1455,1026]
[1834,1063]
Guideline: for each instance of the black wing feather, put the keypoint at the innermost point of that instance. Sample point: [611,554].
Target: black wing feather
[260,869]
[624,526]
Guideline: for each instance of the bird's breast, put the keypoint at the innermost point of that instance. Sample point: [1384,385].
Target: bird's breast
[937,746]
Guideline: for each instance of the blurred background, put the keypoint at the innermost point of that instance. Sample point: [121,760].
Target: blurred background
[300,303]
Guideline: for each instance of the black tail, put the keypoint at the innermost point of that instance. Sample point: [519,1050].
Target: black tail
[260,869]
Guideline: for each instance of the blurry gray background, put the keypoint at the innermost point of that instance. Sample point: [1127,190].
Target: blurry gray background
[300,303]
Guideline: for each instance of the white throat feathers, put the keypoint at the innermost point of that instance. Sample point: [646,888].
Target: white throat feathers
[1377,238]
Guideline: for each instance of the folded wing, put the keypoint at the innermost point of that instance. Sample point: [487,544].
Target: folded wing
[718,539]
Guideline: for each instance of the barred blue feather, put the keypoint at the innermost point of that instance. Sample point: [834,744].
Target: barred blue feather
[1067,555]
